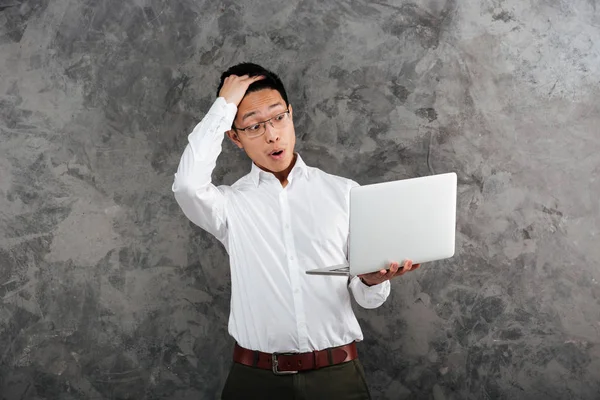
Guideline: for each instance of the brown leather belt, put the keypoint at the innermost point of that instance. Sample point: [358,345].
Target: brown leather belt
[291,363]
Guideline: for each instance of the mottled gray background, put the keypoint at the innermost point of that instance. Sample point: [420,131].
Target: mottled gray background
[108,292]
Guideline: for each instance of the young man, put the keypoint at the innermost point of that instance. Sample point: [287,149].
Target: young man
[295,332]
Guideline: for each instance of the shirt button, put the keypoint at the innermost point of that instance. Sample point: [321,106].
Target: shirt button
[292,258]
[296,291]
[287,226]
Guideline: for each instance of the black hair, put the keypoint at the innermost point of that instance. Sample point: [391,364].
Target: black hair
[271,80]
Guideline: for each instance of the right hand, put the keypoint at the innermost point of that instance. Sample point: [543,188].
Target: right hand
[395,270]
[234,87]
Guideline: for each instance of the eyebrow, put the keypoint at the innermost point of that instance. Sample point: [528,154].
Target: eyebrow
[251,113]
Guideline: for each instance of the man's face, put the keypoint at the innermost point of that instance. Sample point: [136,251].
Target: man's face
[258,107]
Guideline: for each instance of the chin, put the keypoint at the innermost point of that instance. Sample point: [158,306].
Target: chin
[277,166]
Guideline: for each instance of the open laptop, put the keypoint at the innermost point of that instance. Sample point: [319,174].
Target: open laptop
[411,219]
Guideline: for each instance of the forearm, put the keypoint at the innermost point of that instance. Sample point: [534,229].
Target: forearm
[204,147]
[200,200]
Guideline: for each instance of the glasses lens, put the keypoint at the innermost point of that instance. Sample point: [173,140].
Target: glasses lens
[256,132]
[280,120]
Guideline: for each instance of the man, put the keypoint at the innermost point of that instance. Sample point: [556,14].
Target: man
[280,220]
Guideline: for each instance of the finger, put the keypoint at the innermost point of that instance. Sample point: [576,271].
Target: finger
[232,77]
[415,266]
[253,78]
[250,80]
[395,269]
[405,268]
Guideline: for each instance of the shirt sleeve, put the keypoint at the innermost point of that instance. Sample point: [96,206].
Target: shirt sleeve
[202,202]
[369,296]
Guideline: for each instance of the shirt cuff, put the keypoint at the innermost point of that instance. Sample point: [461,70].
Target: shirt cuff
[369,296]
[223,109]
[372,288]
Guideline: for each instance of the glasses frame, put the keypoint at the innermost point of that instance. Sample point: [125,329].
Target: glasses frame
[263,124]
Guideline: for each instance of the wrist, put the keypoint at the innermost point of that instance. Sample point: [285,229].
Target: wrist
[365,282]
[227,100]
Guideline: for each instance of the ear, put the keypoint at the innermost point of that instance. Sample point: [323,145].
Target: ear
[233,136]
[291,111]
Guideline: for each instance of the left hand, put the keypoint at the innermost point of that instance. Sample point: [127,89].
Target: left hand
[375,278]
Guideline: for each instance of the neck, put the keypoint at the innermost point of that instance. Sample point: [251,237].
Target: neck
[283,175]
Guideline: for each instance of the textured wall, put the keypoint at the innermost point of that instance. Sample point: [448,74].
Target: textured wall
[107,292]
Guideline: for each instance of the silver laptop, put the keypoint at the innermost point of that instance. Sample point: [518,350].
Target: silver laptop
[411,219]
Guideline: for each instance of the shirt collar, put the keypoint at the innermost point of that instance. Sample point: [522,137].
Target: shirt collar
[300,169]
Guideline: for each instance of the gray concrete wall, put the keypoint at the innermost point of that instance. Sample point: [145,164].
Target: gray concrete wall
[107,292]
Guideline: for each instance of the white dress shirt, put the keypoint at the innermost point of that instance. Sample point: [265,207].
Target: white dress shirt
[273,235]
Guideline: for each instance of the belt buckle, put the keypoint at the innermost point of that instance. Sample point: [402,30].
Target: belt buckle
[275,364]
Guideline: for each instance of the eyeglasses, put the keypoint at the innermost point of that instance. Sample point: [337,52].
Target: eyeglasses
[259,128]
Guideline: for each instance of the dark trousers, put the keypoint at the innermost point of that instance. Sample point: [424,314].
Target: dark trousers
[340,382]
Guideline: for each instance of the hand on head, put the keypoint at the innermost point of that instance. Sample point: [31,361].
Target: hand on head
[234,87]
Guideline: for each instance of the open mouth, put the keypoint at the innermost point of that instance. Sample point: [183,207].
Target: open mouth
[277,154]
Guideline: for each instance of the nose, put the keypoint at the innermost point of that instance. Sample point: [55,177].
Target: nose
[271,134]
